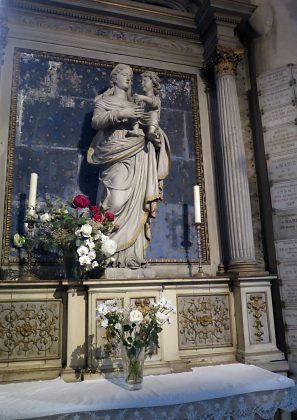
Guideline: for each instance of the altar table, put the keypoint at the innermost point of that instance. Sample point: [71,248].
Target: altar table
[210,392]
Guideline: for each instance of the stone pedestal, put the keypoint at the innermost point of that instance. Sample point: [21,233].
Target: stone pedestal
[256,342]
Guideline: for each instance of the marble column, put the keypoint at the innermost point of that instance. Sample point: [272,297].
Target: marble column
[234,188]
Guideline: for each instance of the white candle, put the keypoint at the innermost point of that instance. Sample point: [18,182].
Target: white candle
[32,194]
[197,207]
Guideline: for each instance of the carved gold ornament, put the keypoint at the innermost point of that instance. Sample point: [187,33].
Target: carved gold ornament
[257,306]
[29,330]
[203,320]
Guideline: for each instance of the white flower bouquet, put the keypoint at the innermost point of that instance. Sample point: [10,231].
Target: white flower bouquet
[134,327]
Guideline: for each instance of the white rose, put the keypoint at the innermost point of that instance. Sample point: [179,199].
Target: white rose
[102,309]
[109,247]
[82,250]
[90,244]
[103,237]
[92,255]
[86,230]
[104,323]
[45,217]
[161,318]
[118,326]
[136,316]
[84,260]
[94,264]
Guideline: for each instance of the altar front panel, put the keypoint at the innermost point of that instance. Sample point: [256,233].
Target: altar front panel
[198,306]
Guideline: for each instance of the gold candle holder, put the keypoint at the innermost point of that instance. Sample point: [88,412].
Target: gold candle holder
[200,249]
[28,275]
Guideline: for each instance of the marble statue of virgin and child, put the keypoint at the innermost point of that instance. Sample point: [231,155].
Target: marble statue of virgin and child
[133,155]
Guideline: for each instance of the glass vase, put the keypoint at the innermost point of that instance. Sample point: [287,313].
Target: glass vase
[133,368]
[71,264]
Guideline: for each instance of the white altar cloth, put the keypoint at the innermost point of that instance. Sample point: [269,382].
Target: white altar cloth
[232,384]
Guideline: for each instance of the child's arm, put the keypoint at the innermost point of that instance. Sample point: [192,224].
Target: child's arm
[149,100]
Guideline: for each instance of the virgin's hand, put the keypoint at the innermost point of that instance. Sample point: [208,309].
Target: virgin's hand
[132,112]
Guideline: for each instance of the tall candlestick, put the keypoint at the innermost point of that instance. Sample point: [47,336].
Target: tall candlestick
[32,194]
[197,204]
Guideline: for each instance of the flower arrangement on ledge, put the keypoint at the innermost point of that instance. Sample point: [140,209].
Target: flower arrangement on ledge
[136,328]
[74,227]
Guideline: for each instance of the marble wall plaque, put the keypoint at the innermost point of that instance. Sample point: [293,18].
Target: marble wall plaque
[285,225]
[277,98]
[281,139]
[284,195]
[274,117]
[290,317]
[288,271]
[291,337]
[282,168]
[289,293]
[274,78]
[286,250]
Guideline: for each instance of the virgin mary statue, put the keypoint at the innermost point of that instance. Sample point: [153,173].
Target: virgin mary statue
[131,170]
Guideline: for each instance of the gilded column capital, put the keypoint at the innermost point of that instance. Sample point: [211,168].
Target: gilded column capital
[226,60]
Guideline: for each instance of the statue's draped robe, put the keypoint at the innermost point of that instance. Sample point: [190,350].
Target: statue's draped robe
[130,178]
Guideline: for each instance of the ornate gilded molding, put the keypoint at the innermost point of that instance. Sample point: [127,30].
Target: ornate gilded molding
[98,17]
[257,307]
[226,60]
[203,321]
[30,330]
[112,33]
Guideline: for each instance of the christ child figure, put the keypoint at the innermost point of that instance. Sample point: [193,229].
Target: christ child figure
[151,85]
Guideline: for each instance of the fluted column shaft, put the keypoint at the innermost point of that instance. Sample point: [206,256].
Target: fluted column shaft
[235,189]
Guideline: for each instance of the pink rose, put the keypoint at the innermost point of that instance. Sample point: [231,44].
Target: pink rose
[80,201]
[109,216]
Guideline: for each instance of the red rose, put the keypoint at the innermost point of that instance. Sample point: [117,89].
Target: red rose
[109,216]
[98,218]
[80,201]
[94,209]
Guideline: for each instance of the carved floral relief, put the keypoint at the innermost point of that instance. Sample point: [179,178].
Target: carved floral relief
[29,330]
[203,321]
